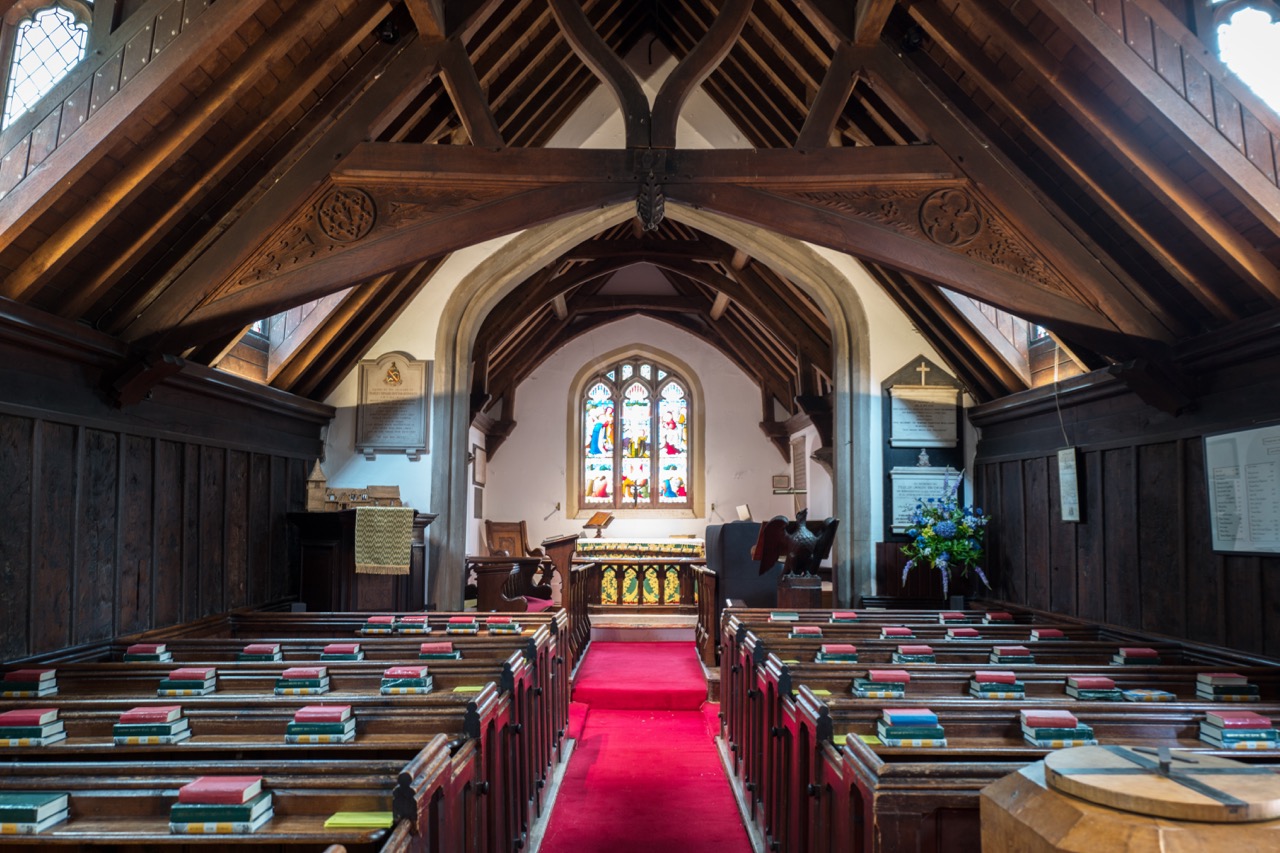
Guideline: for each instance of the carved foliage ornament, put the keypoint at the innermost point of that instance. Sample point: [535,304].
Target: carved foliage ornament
[950,217]
[346,214]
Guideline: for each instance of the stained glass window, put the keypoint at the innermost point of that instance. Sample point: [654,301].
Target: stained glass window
[46,47]
[648,465]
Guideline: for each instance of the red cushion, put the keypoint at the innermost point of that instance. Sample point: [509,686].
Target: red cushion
[537,605]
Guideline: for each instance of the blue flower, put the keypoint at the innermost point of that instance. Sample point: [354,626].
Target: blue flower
[945,529]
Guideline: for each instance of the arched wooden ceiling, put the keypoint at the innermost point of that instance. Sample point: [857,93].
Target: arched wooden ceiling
[1087,166]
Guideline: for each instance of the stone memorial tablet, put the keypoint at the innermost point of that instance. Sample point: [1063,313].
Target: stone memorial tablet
[391,413]
[911,486]
[923,416]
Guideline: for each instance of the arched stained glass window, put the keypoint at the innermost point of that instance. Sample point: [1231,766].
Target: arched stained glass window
[47,45]
[635,438]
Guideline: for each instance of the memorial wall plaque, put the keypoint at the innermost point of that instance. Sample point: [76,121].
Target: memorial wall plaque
[911,486]
[923,416]
[391,412]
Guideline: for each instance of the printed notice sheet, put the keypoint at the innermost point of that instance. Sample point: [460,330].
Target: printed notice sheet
[1243,470]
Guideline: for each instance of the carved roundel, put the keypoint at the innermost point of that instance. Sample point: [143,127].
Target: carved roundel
[950,217]
[346,214]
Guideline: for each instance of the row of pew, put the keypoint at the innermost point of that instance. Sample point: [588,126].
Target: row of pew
[814,777]
[462,768]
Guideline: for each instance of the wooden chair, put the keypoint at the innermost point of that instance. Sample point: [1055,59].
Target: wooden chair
[511,538]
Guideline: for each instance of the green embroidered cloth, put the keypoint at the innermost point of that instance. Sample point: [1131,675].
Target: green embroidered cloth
[384,537]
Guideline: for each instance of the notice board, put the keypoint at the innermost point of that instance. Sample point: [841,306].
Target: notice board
[1243,469]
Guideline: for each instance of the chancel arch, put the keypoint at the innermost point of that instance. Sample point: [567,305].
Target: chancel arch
[524,255]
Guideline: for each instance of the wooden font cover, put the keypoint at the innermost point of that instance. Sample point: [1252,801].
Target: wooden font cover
[1197,786]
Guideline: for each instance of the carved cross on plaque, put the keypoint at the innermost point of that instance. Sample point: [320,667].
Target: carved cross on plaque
[923,369]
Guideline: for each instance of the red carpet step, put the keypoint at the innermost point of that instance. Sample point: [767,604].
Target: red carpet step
[645,781]
[641,676]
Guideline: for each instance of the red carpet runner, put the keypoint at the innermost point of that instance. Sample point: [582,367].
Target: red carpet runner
[644,777]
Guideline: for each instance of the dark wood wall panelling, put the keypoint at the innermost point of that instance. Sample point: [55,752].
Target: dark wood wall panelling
[1142,556]
[114,521]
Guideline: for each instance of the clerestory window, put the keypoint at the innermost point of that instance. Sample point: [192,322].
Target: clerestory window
[1248,38]
[46,41]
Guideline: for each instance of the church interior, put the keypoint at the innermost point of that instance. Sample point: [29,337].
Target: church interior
[574,425]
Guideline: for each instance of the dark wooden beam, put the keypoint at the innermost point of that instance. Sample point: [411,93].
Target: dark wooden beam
[831,227]
[468,97]
[213,260]
[1081,266]
[1107,125]
[833,18]
[110,125]
[1137,77]
[326,56]
[428,17]
[942,29]
[641,249]
[609,68]
[830,100]
[694,68]
[869,19]
[656,304]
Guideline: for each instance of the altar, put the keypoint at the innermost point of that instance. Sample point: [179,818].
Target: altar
[642,548]
[643,570]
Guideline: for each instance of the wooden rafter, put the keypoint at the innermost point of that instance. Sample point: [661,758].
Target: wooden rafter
[609,67]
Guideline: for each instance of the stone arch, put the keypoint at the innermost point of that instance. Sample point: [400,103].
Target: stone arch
[481,290]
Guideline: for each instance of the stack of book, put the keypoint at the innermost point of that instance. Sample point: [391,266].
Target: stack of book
[837,653]
[1055,729]
[31,727]
[896,632]
[963,634]
[148,652]
[303,681]
[844,616]
[995,617]
[189,681]
[1145,695]
[1225,687]
[914,654]
[221,805]
[462,625]
[953,617]
[151,724]
[413,623]
[1047,634]
[805,631]
[910,727]
[438,651]
[342,651]
[501,625]
[1093,688]
[783,616]
[379,625]
[882,684]
[1011,654]
[261,653]
[321,724]
[1238,730]
[29,812]
[29,683]
[996,684]
[1136,654]
[405,679]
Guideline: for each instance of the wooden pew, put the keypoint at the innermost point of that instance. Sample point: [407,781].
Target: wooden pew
[123,805]
[793,775]
[512,747]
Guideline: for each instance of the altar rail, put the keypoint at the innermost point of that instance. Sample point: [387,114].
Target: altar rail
[642,582]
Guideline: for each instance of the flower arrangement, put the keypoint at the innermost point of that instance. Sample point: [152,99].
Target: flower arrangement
[946,536]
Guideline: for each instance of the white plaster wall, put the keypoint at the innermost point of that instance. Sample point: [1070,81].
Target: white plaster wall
[528,476]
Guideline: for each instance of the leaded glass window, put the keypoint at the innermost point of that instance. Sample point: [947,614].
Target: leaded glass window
[635,438]
[46,47]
